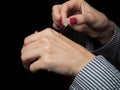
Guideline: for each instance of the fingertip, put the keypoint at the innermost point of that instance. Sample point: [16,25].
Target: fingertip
[57,27]
[73,20]
[60,20]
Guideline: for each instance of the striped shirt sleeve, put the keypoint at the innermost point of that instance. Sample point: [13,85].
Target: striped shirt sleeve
[99,74]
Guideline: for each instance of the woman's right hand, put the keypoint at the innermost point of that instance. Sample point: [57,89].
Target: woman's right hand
[83,18]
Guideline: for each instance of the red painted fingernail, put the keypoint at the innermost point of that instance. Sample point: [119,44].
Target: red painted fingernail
[60,20]
[73,20]
[59,26]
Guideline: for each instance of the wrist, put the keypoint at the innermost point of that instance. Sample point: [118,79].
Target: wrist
[79,66]
[106,34]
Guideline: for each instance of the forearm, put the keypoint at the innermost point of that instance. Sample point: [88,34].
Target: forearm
[98,74]
[111,50]
[112,44]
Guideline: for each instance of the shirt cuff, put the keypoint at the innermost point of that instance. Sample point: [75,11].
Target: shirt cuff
[99,74]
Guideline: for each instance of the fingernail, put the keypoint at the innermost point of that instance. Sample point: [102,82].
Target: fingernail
[59,26]
[60,20]
[73,20]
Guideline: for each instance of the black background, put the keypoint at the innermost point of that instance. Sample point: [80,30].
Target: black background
[20,19]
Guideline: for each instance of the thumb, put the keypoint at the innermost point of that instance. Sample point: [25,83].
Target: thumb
[77,19]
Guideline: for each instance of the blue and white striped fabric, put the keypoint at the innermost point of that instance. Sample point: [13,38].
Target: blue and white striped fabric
[97,75]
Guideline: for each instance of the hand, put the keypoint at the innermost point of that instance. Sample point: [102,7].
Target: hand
[49,50]
[83,18]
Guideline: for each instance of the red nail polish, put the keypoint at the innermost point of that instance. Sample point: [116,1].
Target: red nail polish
[73,20]
[60,20]
[58,26]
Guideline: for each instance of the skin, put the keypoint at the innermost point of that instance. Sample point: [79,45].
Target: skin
[49,50]
[89,20]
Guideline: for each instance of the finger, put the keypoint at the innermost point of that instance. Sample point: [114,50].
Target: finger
[56,15]
[86,29]
[56,20]
[36,36]
[31,46]
[68,7]
[58,27]
[30,55]
[77,19]
[38,65]
[64,11]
